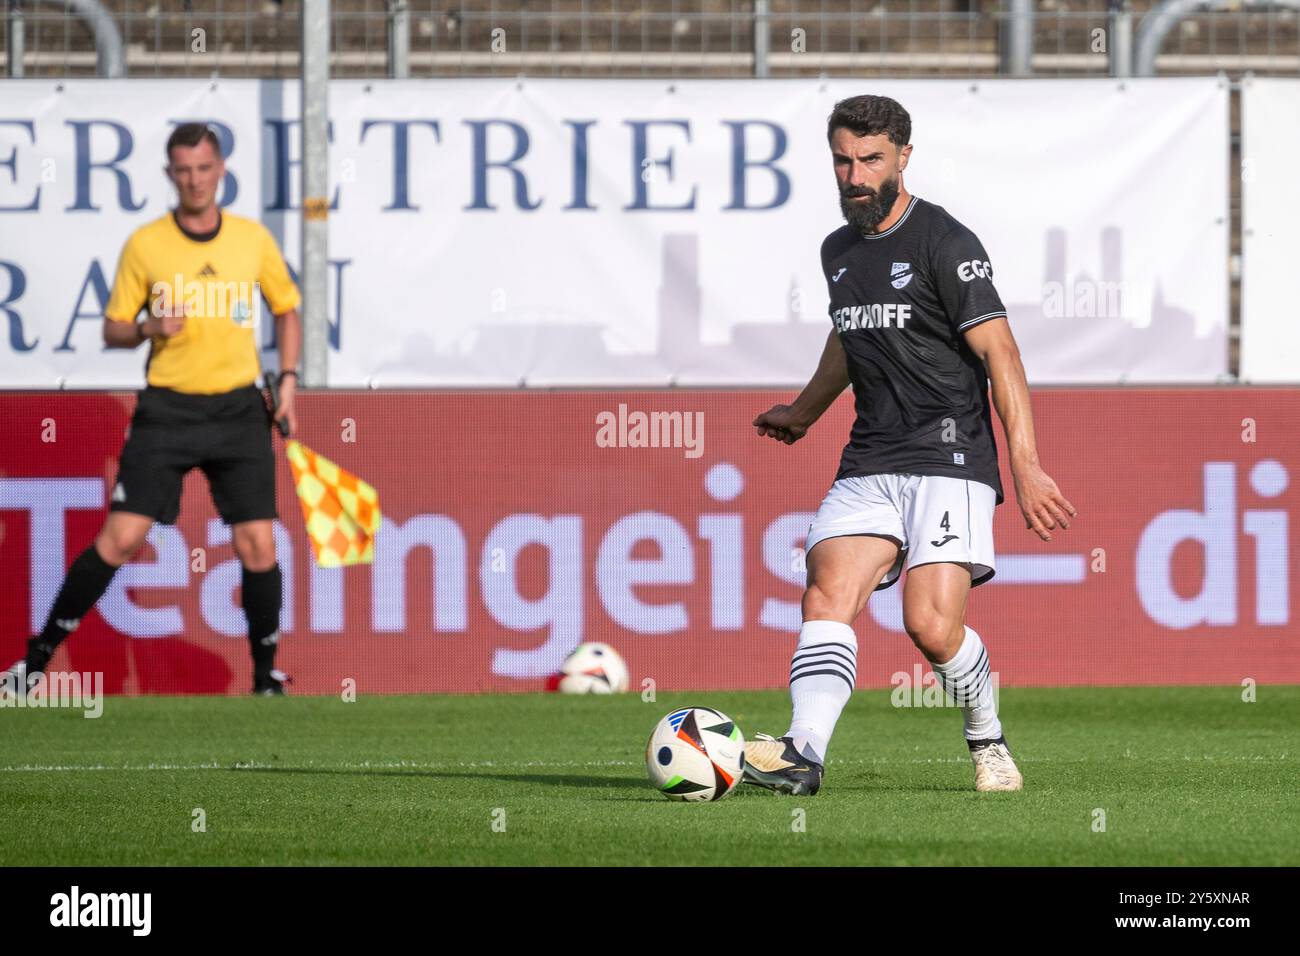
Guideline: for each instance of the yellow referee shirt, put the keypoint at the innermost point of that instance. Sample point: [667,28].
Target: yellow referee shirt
[219,281]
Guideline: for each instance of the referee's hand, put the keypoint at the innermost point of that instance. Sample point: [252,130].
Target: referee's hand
[288,388]
[780,422]
[165,317]
[165,326]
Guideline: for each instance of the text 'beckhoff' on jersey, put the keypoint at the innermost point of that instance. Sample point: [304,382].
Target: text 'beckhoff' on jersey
[901,301]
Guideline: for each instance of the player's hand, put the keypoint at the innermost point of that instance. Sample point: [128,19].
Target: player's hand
[782,423]
[1041,502]
[288,388]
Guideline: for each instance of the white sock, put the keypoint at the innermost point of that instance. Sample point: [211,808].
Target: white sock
[969,682]
[822,675]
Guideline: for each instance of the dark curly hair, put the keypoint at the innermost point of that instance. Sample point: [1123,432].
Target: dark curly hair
[869,116]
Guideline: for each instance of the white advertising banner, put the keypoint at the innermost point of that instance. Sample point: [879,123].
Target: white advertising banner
[1270,210]
[81,167]
[630,233]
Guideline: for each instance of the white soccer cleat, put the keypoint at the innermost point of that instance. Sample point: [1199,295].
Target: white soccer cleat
[995,771]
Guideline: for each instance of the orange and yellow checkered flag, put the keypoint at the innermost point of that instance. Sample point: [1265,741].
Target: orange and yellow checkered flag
[341,510]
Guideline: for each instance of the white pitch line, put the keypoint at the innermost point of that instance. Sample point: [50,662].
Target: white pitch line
[569,764]
[364,765]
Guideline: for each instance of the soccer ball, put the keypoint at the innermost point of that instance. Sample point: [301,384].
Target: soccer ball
[591,668]
[695,754]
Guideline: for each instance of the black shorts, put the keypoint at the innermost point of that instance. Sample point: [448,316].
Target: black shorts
[228,436]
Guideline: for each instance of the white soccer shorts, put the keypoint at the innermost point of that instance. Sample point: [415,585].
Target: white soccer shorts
[932,518]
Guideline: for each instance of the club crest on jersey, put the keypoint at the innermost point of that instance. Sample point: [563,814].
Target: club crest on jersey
[900,274]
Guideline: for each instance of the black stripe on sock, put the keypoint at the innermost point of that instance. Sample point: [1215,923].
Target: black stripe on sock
[980,684]
[971,689]
[823,653]
[839,674]
[802,670]
[825,656]
[983,659]
[804,648]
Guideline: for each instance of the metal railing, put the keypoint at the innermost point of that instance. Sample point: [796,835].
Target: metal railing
[676,38]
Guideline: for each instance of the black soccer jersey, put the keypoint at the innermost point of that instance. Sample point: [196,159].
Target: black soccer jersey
[901,301]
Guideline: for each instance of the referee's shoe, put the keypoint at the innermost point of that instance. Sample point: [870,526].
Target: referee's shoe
[20,673]
[270,684]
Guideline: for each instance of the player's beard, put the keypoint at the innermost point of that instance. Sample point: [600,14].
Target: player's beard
[864,215]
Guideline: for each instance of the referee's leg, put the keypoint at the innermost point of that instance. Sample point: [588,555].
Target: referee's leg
[240,467]
[88,578]
[262,588]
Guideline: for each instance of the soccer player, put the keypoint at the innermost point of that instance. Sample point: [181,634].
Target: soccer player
[918,331]
[201,273]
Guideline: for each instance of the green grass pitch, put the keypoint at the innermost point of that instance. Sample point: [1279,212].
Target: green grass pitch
[1184,776]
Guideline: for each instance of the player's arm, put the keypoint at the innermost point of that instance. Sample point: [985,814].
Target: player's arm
[789,423]
[1042,503]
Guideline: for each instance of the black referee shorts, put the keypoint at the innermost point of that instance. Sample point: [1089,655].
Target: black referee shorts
[227,435]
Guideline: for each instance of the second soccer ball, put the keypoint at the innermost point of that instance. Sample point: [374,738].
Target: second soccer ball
[591,668]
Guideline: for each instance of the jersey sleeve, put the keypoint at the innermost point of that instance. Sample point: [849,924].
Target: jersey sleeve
[277,286]
[964,281]
[130,287]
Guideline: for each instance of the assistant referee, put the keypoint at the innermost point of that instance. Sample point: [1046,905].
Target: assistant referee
[201,275]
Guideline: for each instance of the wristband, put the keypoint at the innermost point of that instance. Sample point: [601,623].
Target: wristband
[280,378]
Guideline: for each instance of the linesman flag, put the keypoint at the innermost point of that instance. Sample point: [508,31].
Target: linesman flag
[341,511]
